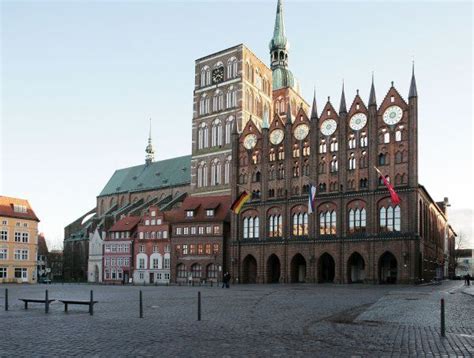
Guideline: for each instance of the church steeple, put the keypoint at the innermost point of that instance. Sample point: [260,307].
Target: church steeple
[413,92]
[279,43]
[149,150]
[314,108]
[342,106]
[372,99]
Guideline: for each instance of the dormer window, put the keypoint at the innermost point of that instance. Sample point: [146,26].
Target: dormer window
[19,208]
[189,213]
[210,212]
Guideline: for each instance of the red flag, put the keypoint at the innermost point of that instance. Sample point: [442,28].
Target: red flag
[393,195]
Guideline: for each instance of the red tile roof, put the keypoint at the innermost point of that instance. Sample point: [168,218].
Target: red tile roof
[7,208]
[127,223]
[221,205]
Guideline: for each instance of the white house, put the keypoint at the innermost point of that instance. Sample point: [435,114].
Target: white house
[96,254]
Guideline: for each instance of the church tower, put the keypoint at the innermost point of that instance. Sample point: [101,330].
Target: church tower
[149,150]
[286,89]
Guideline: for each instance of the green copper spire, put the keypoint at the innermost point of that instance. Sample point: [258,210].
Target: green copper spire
[279,40]
[279,46]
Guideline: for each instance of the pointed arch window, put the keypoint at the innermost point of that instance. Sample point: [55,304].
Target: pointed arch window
[398,135]
[351,142]
[202,175]
[327,222]
[352,162]
[251,227]
[275,226]
[227,170]
[216,172]
[322,146]
[390,218]
[334,165]
[228,129]
[363,140]
[334,147]
[216,139]
[357,220]
[232,68]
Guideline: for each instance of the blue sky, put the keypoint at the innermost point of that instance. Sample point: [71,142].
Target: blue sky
[80,79]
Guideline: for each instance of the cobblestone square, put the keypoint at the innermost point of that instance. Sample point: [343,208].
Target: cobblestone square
[245,320]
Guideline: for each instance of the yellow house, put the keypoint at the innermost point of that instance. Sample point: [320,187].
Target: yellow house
[18,241]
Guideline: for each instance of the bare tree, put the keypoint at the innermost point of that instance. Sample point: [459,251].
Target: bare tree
[458,247]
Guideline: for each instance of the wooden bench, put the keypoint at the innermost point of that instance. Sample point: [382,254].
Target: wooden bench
[75,302]
[89,303]
[27,300]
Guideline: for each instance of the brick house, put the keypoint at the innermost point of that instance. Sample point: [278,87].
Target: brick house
[152,248]
[118,250]
[200,231]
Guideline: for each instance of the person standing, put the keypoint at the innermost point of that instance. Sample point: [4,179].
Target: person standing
[224,280]
[227,282]
[468,279]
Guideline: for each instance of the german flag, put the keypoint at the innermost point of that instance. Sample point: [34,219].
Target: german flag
[241,200]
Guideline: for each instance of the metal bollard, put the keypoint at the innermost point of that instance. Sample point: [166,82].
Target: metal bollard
[91,305]
[141,304]
[443,328]
[6,299]
[199,305]
[46,302]
[211,283]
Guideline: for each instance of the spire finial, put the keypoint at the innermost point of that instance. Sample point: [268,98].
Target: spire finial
[342,106]
[150,152]
[413,92]
[279,42]
[372,99]
[314,108]
[288,113]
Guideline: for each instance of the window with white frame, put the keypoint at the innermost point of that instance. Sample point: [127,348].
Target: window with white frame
[141,263]
[167,263]
[17,236]
[24,237]
[216,172]
[21,272]
[216,133]
[3,235]
[156,263]
[3,272]
[3,254]
[227,170]
[178,231]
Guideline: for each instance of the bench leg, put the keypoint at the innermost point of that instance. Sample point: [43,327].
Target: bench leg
[65,307]
[26,305]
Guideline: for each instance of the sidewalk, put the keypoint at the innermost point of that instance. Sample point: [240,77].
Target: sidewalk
[468,290]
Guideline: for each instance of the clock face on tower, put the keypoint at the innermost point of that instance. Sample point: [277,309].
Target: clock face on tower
[250,141]
[276,136]
[301,131]
[358,121]
[218,74]
[392,115]
[328,127]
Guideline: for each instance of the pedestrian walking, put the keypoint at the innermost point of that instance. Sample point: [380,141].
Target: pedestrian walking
[468,279]
[227,281]
[224,278]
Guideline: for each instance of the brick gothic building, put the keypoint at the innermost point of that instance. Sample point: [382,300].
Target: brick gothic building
[356,234]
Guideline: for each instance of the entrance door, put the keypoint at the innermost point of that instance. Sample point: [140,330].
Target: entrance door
[273,269]
[355,268]
[249,270]
[298,269]
[326,268]
[152,277]
[387,268]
